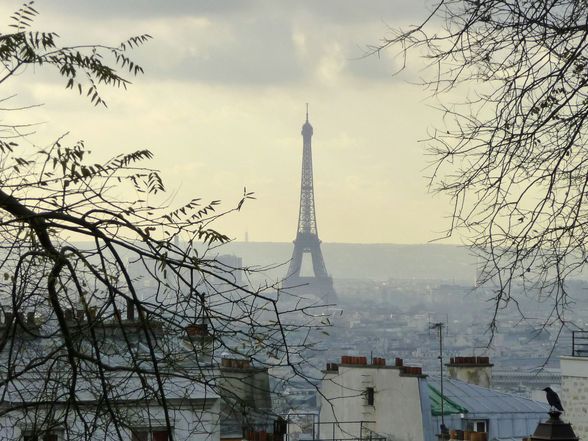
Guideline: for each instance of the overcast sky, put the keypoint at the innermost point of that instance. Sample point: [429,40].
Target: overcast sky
[222,102]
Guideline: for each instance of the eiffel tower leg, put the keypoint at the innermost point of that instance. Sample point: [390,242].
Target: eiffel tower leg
[318,263]
[296,262]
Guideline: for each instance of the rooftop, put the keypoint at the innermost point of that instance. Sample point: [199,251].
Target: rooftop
[474,399]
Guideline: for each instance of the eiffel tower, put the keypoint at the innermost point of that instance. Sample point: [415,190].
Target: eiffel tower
[307,240]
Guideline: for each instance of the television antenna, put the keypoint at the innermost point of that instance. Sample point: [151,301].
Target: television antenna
[439,328]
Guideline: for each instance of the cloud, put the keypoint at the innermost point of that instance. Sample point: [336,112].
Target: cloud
[353,11]
[140,9]
[240,43]
[254,51]
[334,11]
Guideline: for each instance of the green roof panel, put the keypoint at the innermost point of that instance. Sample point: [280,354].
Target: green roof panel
[449,407]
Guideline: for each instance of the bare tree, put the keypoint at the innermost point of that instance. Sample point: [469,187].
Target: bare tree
[512,155]
[115,307]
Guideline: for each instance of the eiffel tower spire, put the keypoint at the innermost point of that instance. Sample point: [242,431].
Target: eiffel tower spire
[307,240]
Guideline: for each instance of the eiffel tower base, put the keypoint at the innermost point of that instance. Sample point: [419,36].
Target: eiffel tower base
[320,287]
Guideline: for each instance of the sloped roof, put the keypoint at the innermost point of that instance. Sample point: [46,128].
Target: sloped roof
[479,400]
[449,407]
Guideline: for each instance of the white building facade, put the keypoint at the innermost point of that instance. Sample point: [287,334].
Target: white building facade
[382,399]
[574,392]
[114,393]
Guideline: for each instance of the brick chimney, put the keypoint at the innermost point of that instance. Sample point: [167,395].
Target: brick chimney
[473,370]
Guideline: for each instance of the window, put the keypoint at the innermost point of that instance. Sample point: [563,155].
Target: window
[150,435]
[41,437]
[369,394]
[477,425]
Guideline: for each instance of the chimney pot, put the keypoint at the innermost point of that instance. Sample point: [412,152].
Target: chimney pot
[196,329]
[130,310]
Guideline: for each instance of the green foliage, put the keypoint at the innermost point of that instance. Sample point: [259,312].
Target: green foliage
[83,67]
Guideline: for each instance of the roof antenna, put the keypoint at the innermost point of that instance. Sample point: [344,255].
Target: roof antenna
[439,327]
[306,112]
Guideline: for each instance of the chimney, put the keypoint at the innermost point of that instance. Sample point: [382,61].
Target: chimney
[197,330]
[473,370]
[354,360]
[235,363]
[69,314]
[130,310]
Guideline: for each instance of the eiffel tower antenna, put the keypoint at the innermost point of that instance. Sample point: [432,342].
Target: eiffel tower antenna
[307,240]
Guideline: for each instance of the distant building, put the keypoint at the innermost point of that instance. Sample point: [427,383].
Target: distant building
[231,268]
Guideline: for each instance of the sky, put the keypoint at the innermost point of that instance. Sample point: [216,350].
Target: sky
[222,102]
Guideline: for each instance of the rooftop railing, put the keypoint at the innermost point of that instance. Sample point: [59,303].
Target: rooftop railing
[347,431]
[579,343]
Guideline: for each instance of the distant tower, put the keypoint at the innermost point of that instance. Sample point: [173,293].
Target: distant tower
[307,240]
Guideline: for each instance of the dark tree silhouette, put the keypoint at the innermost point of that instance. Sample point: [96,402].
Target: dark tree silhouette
[115,310]
[512,155]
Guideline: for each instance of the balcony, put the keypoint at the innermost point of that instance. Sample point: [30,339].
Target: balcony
[579,343]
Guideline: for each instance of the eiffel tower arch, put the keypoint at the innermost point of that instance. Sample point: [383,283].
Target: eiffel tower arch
[307,241]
